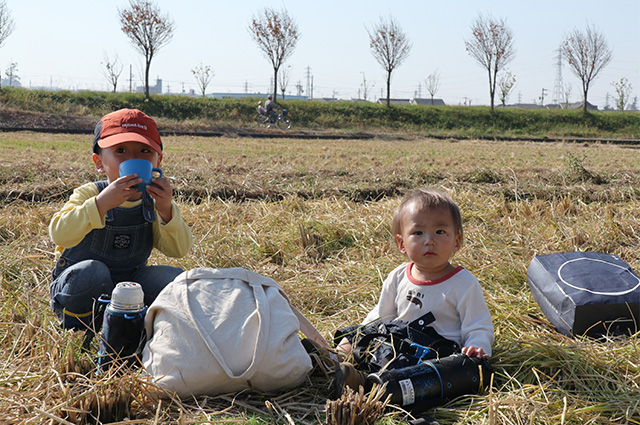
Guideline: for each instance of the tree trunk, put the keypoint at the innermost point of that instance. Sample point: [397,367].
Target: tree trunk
[275,83]
[492,86]
[584,101]
[146,78]
[585,90]
[388,88]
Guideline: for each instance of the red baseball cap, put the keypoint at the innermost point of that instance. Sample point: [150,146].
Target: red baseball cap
[127,125]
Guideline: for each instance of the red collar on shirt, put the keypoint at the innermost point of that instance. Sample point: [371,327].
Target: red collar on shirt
[430,282]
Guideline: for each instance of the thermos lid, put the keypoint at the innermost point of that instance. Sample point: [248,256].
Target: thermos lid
[127,296]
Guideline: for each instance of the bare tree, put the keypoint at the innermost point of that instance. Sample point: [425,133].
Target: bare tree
[491,46]
[276,34]
[505,84]
[587,53]
[203,75]
[12,75]
[366,87]
[623,92]
[433,84]
[112,70]
[147,29]
[283,79]
[6,22]
[567,94]
[390,46]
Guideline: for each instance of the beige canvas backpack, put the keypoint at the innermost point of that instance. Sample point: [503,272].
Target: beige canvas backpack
[214,331]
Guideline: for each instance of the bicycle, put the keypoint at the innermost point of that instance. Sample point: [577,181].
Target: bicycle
[282,121]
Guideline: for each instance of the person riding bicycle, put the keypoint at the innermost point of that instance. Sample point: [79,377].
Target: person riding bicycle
[271,107]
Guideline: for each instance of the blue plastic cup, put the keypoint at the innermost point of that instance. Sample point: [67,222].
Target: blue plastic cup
[143,168]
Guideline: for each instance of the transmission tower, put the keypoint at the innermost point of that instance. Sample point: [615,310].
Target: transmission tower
[558,88]
[309,83]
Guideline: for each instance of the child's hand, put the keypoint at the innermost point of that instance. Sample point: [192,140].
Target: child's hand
[472,351]
[161,191]
[117,192]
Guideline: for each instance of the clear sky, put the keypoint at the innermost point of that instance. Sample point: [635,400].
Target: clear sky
[62,43]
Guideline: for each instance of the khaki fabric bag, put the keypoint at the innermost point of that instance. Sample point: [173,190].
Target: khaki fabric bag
[214,331]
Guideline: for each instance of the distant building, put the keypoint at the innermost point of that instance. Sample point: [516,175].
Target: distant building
[11,82]
[430,102]
[576,105]
[157,89]
[395,101]
[260,95]
[434,102]
[522,106]
[415,101]
[580,105]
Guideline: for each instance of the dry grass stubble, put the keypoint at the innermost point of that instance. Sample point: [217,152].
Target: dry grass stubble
[306,225]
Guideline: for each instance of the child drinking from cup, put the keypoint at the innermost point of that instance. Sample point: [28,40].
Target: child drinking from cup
[106,231]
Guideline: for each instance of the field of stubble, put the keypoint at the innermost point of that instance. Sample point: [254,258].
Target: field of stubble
[314,216]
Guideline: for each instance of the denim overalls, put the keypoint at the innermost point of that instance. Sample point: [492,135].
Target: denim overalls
[116,253]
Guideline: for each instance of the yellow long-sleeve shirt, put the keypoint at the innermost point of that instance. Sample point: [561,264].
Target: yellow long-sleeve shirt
[79,216]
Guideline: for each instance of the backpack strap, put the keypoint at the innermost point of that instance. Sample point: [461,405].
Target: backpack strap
[308,329]
[102,185]
[148,211]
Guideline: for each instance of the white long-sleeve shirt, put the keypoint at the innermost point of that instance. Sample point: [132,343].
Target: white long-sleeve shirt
[455,300]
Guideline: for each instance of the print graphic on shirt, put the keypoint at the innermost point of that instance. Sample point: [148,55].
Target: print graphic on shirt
[122,241]
[414,297]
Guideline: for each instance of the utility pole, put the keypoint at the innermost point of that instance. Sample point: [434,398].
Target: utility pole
[544,91]
[130,78]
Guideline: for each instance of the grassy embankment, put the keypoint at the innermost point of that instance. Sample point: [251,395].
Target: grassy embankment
[251,202]
[190,113]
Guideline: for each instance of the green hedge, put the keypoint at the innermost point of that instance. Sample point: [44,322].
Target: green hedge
[448,121]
